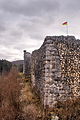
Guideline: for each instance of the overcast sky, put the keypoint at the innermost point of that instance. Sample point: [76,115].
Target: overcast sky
[25,23]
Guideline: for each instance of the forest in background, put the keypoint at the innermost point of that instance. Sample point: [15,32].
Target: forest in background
[5,66]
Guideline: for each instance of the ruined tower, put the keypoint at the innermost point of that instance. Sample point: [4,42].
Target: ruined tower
[27,63]
[55,69]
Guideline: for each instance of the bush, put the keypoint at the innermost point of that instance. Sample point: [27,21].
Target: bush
[9,96]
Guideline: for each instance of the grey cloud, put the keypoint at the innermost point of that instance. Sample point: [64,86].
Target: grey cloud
[70,7]
[2,27]
[10,57]
[30,7]
[25,23]
[16,34]
[23,47]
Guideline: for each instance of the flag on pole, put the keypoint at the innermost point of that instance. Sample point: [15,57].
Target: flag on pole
[65,23]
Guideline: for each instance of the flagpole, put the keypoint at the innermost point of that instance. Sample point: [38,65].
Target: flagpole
[67,29]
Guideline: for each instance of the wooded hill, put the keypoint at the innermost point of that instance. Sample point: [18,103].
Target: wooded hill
[5,66]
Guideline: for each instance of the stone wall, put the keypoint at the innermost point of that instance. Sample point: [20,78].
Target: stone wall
[27,63]
[38,69]
[55,69]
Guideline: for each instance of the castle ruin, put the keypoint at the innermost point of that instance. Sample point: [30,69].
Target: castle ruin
[55,69]
[27,63]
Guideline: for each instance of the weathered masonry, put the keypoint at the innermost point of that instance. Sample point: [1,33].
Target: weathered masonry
[27,63]
[55,69]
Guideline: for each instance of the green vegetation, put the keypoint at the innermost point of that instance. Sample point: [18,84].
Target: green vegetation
[5,66]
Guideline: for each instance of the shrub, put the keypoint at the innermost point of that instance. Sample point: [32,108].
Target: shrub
[9,96]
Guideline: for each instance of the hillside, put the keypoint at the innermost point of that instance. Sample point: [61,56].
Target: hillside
[5,66]
[17,62]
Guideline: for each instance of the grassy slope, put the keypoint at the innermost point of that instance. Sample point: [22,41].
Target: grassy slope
[30,102]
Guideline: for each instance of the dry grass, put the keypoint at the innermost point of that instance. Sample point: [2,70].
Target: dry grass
[17,103]
[31,102]
[9,96]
